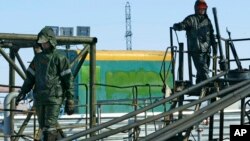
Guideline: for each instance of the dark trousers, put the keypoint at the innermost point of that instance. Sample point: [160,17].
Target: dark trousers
[201,63]
[48,120]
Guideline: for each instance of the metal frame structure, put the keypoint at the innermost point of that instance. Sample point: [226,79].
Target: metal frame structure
[174,127]
[15,42]
[228,96]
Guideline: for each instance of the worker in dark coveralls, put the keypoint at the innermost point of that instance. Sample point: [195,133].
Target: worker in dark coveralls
[50,75]
[200,37]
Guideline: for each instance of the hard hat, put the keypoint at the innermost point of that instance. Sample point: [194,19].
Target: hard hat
[200,4]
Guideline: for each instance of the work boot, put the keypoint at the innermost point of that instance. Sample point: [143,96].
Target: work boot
[60,134]
[49,135]
[203,92]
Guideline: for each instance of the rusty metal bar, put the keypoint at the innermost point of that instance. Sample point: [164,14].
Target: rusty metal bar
[243,39]
[23,126]
[85,50]
[12,63]
[28,40]
[92,86]
[83,55]
[11,89]
[20,61]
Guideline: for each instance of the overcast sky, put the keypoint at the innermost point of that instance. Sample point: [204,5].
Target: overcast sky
[151,20]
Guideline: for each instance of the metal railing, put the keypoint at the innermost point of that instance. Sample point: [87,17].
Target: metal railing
[134,113]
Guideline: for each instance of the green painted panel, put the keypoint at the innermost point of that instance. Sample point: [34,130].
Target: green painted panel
[121,76]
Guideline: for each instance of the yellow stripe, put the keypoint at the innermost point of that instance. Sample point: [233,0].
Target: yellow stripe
[130,55]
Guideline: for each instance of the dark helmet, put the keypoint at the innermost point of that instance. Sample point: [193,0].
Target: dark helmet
[47,35]
[200,4]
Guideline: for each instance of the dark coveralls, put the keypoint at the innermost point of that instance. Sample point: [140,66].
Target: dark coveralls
[200,37]
[50,74]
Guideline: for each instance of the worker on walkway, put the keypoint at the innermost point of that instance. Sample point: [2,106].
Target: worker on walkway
[50,75]
[200,37]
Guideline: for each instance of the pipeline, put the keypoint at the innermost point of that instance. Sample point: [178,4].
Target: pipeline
[7,119]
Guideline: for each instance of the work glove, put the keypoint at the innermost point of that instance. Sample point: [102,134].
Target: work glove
[20,96]
[69,106]
[176,26]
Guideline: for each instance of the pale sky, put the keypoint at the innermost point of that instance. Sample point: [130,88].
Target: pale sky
[151,20]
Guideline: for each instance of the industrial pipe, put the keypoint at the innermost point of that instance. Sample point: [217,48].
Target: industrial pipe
[7,119]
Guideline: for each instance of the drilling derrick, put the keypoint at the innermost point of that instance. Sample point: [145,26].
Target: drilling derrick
[128,33]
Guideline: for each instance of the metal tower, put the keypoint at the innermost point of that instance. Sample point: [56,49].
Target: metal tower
[128,34]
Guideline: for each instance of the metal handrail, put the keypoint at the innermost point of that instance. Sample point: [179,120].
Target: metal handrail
[211,109]
[153,118]
[129,115]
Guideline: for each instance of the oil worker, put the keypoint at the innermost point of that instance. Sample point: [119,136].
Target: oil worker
[200,37]
[50,75]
